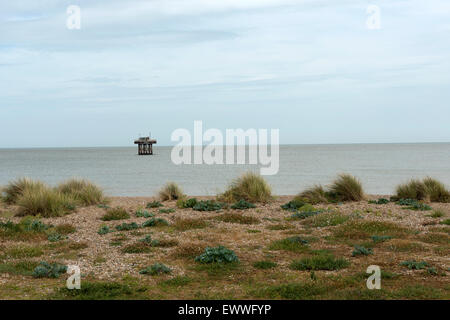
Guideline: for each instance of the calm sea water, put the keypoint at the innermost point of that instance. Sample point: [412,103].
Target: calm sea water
[123,173]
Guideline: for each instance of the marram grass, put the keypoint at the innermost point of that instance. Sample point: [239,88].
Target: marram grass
[171,191]
[83,191]
[249,187]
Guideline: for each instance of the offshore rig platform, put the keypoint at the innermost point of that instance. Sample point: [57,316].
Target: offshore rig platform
[145,145]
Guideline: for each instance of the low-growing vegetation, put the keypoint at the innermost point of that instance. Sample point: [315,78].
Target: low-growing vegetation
[115,214]
[320,262]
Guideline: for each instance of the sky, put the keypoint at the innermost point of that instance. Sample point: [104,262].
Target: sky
[311,68]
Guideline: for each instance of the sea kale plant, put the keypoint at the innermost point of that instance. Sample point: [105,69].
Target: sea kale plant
[243,205]
[361,251]
[155,269]
[46,270]
[218,254]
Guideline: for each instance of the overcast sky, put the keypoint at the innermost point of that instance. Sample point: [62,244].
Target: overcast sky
[310,68]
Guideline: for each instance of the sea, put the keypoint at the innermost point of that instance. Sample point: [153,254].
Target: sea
[121,172]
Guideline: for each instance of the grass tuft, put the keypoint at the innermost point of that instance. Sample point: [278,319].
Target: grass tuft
[15,189]
[44,202]
[347,188]
[249,187]
[320,262]
[237,218]
[314,195]
[115,214]
[83,191]
[171,191]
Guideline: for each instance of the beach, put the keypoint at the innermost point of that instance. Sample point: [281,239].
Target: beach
[255,235]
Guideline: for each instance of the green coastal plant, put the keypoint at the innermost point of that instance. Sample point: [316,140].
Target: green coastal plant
[420,207]
[141,213]
[104,230]
[155,222]
[155,269]
[293,205]
[414,265]
[379,201]
[188,203]
[54,237]
[378,239]
[218,254]
[127,226]
[154,204]
[208,205]
[46,270]
[242,205]
[361,251]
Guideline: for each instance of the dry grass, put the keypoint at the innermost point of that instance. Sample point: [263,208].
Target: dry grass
[83,191]
[347,188]
[314,195]
[428,189]
[190,223]
[249,187]
[15,189]
[44,202]
[436,190]
[414,189]
[171,191]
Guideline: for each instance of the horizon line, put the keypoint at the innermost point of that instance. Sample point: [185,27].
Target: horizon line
[224,145]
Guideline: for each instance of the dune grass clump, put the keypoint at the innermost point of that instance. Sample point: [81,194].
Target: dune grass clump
[44,202]
[436,190]
[344,188]
[428,189]
[115,214]
[138,247]
[83,191]
[15,189]
[314,195]
[414,189]
[171,191]
[347,188]
[250,187]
